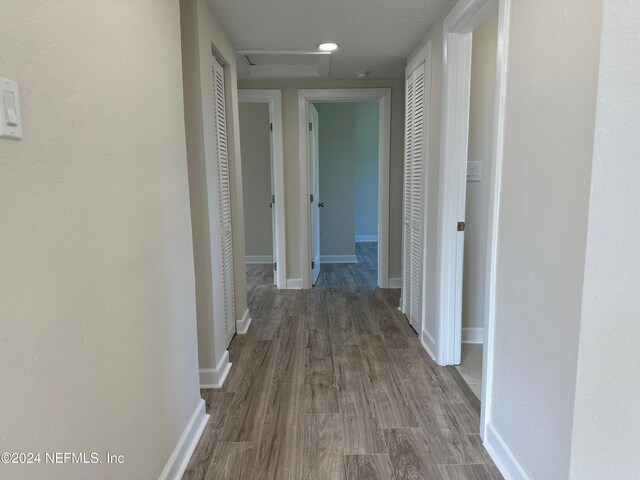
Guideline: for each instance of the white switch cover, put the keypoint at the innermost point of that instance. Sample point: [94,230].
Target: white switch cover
[474,171]
[10,118]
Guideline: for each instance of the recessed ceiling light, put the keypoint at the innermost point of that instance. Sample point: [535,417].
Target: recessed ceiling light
[328,46]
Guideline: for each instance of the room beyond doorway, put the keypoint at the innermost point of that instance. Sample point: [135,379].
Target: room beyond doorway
[347,182]
[312,103]
[479,160]
[257,182]
[263,179]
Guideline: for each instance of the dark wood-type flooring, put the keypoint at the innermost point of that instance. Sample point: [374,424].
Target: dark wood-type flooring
[332,383]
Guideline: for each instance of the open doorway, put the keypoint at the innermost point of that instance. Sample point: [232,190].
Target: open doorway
[344,180]
[479,161]
[260,121]
[329,234]
[459,27]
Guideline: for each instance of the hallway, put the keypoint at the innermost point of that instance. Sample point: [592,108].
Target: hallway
[332,383]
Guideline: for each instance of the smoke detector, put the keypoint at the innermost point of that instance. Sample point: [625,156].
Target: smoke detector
[362,74]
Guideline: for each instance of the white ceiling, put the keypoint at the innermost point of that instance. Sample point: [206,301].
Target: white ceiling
[374,35]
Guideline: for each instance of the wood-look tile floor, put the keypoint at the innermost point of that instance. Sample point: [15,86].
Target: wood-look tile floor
[332,383]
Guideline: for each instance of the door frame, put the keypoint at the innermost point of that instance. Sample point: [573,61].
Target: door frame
[328,95]
[457,39]
[273,98]
[314,185]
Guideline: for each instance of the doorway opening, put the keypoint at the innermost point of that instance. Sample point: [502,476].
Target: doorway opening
[455,150]
[344,179]
[260,119]
[328,230]
[479,160]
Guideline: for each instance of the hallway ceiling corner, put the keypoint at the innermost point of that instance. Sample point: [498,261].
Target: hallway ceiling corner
[374,35]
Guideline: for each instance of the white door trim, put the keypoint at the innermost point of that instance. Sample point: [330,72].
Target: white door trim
[457,37]
[383,97]
[425,55]
[504,14]
[274,99]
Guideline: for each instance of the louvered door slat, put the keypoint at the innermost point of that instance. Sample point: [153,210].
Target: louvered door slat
[224,202]
[413,197]
[416,199]
[406,227]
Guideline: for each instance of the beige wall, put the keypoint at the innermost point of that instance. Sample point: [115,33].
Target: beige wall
[291,160]
[483,76]
[255,141]
[546,174]
[98,320]
[606,421]
[202,34]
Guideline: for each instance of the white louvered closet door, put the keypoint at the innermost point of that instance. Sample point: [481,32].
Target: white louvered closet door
[224,203]
[415,154]
[406,210]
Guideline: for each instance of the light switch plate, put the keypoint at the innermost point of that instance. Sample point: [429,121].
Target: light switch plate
[474,171]
[10,117]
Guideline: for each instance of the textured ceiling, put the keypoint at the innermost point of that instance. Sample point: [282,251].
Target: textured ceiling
[374,35]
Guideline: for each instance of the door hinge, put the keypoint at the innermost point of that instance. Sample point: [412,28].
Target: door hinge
[311,198]
[313,265]
[271,127]
[461,226]
[273,199]
[310,126]
[275,266]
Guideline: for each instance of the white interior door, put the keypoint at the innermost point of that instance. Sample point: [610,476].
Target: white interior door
[414,196]
[406,205]
[314,155]
[417,200]
[224,203]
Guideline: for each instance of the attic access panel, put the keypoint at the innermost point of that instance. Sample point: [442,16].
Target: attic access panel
[275,64]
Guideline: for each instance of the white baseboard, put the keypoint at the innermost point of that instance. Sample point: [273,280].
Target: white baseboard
[294,283]
[366,238]
[258,259]
[502,456]
[338,259]
[473,335]
[429,344]
[242,325]
[179,459]
[395,282]
[215,377]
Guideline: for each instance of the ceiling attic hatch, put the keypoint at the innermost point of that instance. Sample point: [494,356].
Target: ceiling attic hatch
[277,64]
